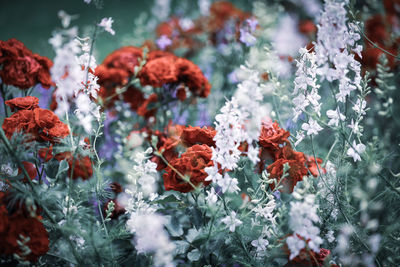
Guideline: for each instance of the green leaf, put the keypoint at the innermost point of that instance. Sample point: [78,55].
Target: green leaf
[181,247]
[174,227]
[194,255]
[197,217]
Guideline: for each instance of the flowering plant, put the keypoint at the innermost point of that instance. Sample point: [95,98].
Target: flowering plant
[240,134]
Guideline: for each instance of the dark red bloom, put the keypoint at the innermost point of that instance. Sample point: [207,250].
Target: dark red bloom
[40,124]
[159,71]
[18,225]
[27,102]
[196,135]
[273,138]
[310,258]
[190,75]
[81,166]
[190,164]
[30,169]
[22,68]
[312,166]
[297,170]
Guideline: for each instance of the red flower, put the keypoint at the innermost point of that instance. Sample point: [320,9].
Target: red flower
[30,169]
[31,229]
[192,164]
[297,170]
[312,166]
[82,166]
[310,258]
[22,68]
[159,71]
[191,75]
[307,27]
[196,135]
[41,124]
[273,138]
[134,97]
[146,112]
[27,102]
[19,223]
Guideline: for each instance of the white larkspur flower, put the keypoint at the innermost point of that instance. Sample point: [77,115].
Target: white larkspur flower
[355,127]
[228,184]
[334,117]
[260,244]
[355,151]
[106,23]
[299,137]
[211,197]
[302,216]
[247,38]
[359,106]
[312,127]
[231,221]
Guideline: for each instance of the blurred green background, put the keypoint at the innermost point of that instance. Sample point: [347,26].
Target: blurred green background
[32,21]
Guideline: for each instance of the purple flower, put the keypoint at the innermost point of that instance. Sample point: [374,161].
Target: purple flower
[247,38]
[252,24]
[163,42]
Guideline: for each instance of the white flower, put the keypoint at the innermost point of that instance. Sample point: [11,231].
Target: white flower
[252,153]
[247,38]
[106,23]
[299,137]
[302,216]
[231,221]
[359,106]
[228,184]
[335,116]
[151,237]
[355,127]
[355,151]
[312,127]
[260,244]
[211,197]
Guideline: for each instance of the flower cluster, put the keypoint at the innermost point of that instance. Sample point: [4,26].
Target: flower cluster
[22,68]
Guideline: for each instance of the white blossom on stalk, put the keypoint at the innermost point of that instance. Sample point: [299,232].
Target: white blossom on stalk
[106,23]
[355,151]
[161,9]
[260,244]
[211,197]
[302,216]
[305,85]
[336,39]
[231,221]
[334,117]
[151,237]
[359,107]
[312,127]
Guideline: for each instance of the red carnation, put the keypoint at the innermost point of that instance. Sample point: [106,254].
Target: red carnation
[310,258]
[196,135]
[273,138]
[312,166]
[192,164]
[30,169]
[27,102]
[82,166]
[31,229]
[158,72]
[297,170]
[41,124]
[22,68]
[134,97]
[191,75]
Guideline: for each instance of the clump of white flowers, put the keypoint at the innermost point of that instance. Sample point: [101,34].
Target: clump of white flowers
[231,221]
[238,122]
[302,216]
[73,73]
[144,222]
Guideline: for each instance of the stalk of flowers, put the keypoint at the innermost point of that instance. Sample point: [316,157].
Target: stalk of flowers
[73,73]
[147,225]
